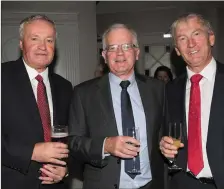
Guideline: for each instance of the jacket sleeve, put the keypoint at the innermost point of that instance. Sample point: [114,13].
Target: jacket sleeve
[16,155]
[83,147]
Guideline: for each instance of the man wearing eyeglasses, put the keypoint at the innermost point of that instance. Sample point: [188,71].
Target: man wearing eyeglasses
[96,124]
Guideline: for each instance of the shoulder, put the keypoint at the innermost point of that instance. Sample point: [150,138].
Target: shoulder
[220,67]
[177,87]
[88,85]
[7,66]
[12,68]
[178,81]
[89,89]
[150,81]
[60,81]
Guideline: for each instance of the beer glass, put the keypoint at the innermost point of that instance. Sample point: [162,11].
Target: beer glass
[59,133]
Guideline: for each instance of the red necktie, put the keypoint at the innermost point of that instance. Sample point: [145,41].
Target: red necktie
[195,157]
[43,106]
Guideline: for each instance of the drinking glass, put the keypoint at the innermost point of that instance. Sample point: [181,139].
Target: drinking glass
[175,132]
[135,133]
[59,133]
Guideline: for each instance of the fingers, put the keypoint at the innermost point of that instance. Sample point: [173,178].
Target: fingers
[59,145]
[122,146]
[45,151]
[46,179]
[61,151]
[131,149]
[47,182]
[131,140]
[53,173]
[167,148]
[57,162]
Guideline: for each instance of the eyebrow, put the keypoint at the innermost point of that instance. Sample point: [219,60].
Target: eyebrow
[180,35]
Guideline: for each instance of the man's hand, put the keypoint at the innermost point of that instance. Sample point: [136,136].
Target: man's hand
[122,146]
[54,174]
[167,148]
[50,152]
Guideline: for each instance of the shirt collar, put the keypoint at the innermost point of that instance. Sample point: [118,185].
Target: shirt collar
[116,80]
[208,72]
[32,73]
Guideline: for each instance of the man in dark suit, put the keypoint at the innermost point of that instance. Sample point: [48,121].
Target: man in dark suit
[196,99]
[96,119]
[24,148]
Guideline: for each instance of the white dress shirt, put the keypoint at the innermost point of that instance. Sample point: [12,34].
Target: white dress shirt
[32,74]
[206,87]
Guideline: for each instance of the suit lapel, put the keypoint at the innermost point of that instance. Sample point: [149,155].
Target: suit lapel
[53,94]
[106,104]
[215,136]
[149,108]
[177,113]
[25,94]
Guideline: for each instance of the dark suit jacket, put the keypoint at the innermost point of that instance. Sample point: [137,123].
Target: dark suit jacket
[21,124]
[215,140]
[92,119]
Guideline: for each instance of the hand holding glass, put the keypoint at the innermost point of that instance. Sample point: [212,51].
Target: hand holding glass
[175,132]
[59,133]
[134,132]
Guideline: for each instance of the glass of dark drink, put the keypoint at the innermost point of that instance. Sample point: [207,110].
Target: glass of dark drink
[59,133]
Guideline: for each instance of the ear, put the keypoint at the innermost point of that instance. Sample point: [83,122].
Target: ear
[104,56]
[137,52]
[177,51]
[21,45]
[211,39]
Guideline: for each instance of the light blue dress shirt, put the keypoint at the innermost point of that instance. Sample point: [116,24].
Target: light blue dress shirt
[140,121]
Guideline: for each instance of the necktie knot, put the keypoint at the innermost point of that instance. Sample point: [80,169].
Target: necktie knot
[39,78]
[125,84]
[196,78]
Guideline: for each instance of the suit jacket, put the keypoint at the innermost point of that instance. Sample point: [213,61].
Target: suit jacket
[92,119]
[22,126]
[215,139]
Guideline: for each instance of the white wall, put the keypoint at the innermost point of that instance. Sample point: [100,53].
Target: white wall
[87,27]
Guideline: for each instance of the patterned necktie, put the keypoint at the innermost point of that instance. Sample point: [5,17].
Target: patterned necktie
[128,122]
[195,157]
[43,106]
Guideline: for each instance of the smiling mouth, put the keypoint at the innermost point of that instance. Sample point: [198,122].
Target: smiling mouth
[117,61]
[193,52]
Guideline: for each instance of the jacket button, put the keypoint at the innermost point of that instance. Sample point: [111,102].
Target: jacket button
[115,186]
[118,161]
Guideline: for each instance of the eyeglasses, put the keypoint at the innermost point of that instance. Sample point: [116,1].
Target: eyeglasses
[124,47]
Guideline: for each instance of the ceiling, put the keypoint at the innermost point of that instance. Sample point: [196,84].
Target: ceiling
[107,7]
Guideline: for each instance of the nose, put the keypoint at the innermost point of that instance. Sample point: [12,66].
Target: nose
[120,51]
[42,45]
[191,42]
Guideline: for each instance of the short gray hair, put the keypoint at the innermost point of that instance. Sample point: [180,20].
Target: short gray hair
[205,23]
[116,26]
[31,19]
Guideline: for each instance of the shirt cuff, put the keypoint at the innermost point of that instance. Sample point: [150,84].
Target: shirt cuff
[104,154]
